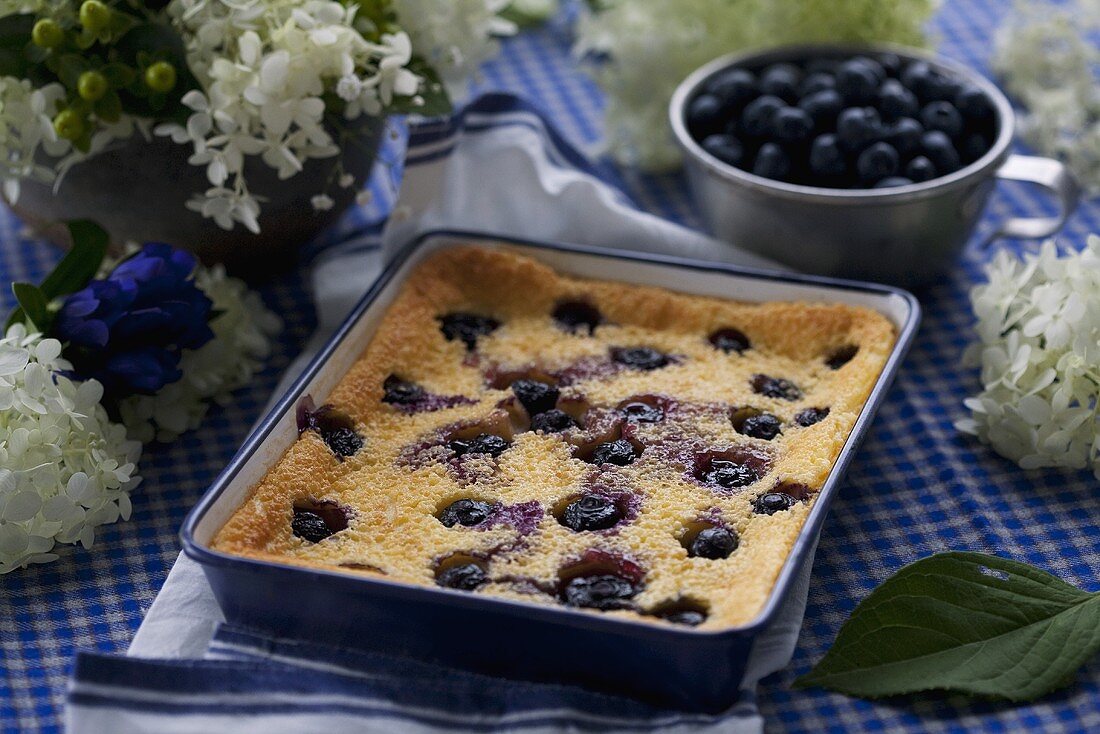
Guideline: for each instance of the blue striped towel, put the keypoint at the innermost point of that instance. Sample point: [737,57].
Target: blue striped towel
[496,166]
[250,683]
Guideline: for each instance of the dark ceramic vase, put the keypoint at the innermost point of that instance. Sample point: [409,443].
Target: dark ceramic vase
[137,190]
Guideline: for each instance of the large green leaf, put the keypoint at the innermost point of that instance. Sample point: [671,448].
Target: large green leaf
[81,262]
[71,274]
[33,304]
[966,622]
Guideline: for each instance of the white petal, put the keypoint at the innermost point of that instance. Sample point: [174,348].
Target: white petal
[13,539]
[12,361]
[273,71]
[22,506]
[48,350]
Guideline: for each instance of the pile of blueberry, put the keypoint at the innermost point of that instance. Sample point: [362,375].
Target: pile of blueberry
[862,122]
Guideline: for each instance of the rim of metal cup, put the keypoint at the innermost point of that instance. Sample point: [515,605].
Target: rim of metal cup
[986,165]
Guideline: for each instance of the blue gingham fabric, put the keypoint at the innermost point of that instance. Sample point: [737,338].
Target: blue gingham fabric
[916,487]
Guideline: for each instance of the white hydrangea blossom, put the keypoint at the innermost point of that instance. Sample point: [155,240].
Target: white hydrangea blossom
[266,69]
[26,126]
[454,36]
[65,468]
[243,332]
[1049,60]
[645,49]
[264,66]
[1039,352]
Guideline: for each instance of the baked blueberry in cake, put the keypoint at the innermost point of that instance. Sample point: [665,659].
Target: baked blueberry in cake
[516,433]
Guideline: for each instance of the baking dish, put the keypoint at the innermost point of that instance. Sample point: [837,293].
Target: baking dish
[680,667]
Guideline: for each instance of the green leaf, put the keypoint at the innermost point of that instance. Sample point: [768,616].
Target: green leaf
[73,271]
[121,23]
[33,304]
[15,30]
[109,107]
[966,622]
[598,6]
[69,69]
[530,13]
[85,39]
[84,142]
[436,101]
[80,106]
[81,262]
[118,75]
[15,39]
[152,38]
[13,62]
[140,47]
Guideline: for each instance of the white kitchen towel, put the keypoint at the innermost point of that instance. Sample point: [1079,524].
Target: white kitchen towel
[497,167]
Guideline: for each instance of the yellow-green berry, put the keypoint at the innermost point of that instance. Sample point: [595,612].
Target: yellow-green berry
[92,86]
[68,124]
[47,33]
[94,15]
[160,77]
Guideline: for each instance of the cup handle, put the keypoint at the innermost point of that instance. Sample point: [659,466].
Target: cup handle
[1053,176]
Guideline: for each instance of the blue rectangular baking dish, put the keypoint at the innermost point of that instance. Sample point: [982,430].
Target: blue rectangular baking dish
[679,667]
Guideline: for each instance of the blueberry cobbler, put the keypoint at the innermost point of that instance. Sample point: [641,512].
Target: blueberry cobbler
[517,433]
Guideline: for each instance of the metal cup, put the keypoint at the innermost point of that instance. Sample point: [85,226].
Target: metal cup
[906,235]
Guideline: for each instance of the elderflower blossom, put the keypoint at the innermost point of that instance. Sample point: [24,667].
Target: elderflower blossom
[645,49]
[1048,57]
[454,36]
[25,128]
[1039,352]
[265,66]
[65,468]
[243,331]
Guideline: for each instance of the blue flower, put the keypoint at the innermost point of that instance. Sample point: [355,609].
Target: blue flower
[128,329]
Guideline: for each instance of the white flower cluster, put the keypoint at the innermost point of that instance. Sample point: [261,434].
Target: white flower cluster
[65,468]
[265,66]
[1049,59]
[270,72]
[645,49]
[1039,351]
[26,125]
[243,330]
[454,36]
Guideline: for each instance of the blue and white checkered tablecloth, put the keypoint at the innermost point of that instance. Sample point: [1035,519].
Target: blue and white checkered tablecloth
[917,486]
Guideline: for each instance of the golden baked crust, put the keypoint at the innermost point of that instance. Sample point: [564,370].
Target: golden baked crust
[394,488]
